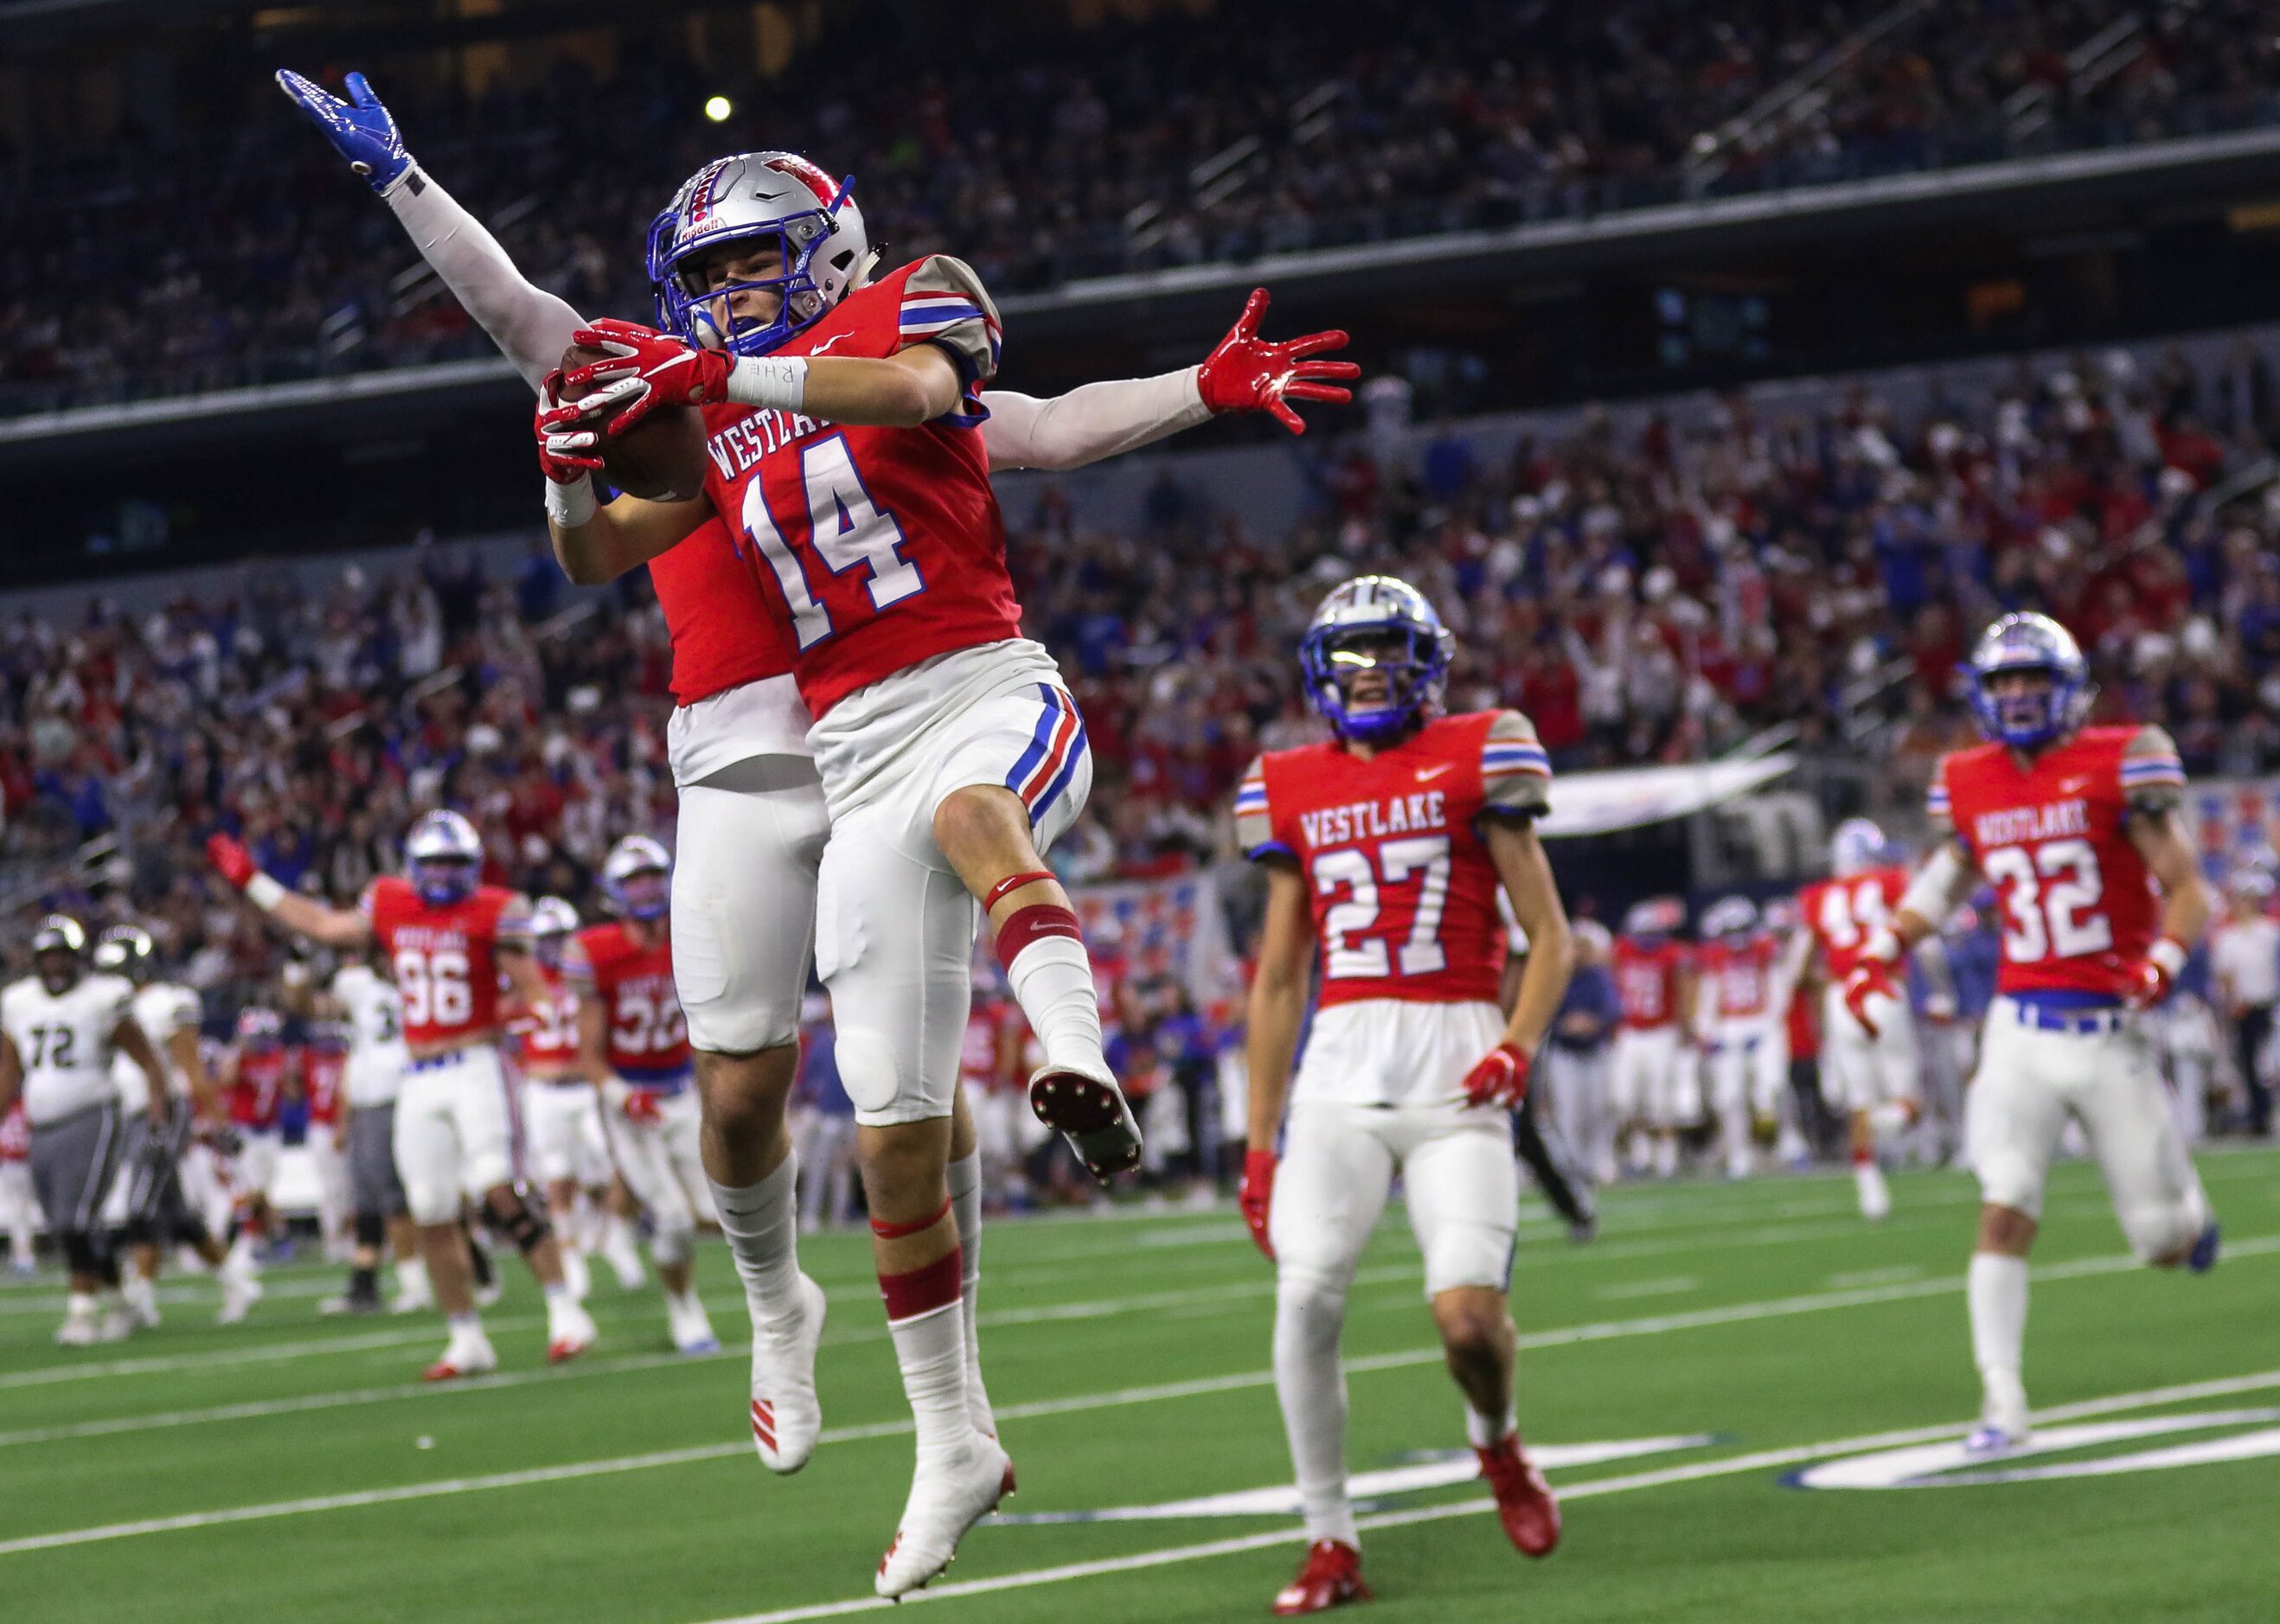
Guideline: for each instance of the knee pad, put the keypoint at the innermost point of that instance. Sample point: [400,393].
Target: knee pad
[867,1068]
[431,1205]
[1310,1308]
[371,1229]
[519,1221]
[672,1246]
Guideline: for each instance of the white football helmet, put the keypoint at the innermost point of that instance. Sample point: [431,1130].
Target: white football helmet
[1657,916]
[637,878]
[1729,916]
[444,855]
[1857,846]
[822,249]
[552,921]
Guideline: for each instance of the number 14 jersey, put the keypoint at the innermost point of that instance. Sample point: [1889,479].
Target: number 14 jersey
[2076,905]
[1403,893]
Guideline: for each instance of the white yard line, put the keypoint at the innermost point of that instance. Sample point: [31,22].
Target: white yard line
[1735,1313]
[1694,1472]
[1675,1285]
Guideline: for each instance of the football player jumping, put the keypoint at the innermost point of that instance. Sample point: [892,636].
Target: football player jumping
[448,940]
[1384,850]
[633,1044]
[2100,896]
[752,817]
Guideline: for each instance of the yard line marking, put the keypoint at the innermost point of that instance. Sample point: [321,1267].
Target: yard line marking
[268,1353]
[1694,1472]
[1890,1276]
[1671,1286]
[1087,1403]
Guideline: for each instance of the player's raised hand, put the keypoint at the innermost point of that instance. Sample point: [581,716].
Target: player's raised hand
[1249,374]
[229,859]
[360,129]
[1499,1078]
[643,369]
[1257,1196]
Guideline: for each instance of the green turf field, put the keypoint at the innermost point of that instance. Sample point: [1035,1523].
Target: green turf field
[291,1467]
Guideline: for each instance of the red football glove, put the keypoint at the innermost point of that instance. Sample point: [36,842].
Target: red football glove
[566,445]
[641,1106]
[2156,973]
[1258,1196]
[231,860]
[1871,978]
[1500,1078]
[1248,374]
[646,369]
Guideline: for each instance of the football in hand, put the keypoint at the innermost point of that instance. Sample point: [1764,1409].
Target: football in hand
[661,458]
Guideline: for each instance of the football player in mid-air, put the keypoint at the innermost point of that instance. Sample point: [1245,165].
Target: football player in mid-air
[1384,850]
[59,1027]
[448,940]
[2100,898]
[633,1044]
[752,814]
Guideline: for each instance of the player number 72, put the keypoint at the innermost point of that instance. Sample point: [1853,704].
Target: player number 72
[1397,860]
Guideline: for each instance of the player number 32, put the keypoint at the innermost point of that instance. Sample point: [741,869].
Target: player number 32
[2049,895]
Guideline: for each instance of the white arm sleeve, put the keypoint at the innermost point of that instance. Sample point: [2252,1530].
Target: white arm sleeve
[1089,423]
[1942,884]
[531,326]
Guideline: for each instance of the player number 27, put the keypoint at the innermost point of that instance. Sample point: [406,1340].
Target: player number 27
[434,985]
[2048,895]
[1351,869]
[845,530]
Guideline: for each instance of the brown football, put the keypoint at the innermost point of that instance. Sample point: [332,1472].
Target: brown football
[661,458]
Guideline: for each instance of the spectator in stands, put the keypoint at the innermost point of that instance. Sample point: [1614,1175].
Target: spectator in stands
[2244,963]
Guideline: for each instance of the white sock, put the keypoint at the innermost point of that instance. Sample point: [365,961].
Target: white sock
[1868,1180]
[411,1277]
[1997,1289]
[241,1253]
[141,1292]
[79,1306]
[1482,1431]
[1734,1126]
[1051,979]
[560,1296]
[464,1325]
[966,1208]
[762,1224]
[930,1348]
[1313,1389]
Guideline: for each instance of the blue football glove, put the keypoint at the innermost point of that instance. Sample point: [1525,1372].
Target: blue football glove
[359,128]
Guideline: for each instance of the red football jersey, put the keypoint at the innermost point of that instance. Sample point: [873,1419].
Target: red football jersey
[725,633]
[15,1134]
[546,1035]
[648,1038]
[987,1024]
[1737,977]
[1843,914]
[256,1087]
[1646,980]
[1405,897]
[2078,907]
[875,548]
[322,1071]
[444,960]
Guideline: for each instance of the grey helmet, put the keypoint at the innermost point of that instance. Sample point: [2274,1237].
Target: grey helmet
[823,248]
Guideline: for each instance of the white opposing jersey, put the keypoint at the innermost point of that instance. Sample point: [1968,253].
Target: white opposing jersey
[63,1040]
[377,1056]
[161,1010]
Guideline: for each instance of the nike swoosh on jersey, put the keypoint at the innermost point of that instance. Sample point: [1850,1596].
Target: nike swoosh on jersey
[2067,786]
[1425,773]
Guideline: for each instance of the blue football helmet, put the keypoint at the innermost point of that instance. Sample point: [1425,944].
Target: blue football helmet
[2029,642]
[637,878]
[1376,623]
[444,857]
[758,198]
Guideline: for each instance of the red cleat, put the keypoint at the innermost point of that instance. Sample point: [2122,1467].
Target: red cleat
[1331,1577]
[1524,1502]
[442,1370]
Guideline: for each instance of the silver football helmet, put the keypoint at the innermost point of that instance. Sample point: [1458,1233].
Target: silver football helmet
[822,249]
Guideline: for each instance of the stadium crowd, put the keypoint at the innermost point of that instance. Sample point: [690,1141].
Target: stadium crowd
[1011,148]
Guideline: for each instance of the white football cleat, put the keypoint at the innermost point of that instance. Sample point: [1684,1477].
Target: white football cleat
[115,1325]
[690,1328]
[624,1258]
[575,1274]
[569,1331]
[1087,1109]
[142,1300]
[787,1417]
[948,1496]
[1990,1440]
[77,1331]
[467,1354]
[240,1289]
[1875,1194]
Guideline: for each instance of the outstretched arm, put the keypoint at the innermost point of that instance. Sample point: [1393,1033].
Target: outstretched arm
[531,326]
[303,916]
